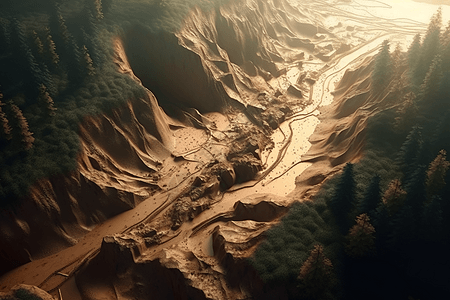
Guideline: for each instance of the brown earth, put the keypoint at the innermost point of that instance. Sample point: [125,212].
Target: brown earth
[149,211]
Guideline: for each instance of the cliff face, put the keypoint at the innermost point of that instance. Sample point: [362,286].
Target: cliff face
[229,56]
[120,154]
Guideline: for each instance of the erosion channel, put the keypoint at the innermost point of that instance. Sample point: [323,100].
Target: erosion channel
[231,173]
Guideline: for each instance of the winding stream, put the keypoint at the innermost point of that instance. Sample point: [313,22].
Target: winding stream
[398,21]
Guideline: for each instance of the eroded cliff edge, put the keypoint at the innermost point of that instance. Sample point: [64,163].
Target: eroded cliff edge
[233,60]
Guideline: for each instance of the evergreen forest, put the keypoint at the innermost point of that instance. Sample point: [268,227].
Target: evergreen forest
[381,228]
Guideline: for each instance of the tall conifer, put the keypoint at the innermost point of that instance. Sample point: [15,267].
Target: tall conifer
[22,123]
[436,174]
[315,274]
[414,53]
[430,47]
[409,151]
[361,238]
[383,70]
[6,128]
[372,197]
[394,197]
[343,202]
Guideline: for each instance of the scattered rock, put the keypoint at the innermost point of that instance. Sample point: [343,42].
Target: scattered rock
[246,167]
[199,181]
[261,208]
[278,93]
[294,91]
[343,48]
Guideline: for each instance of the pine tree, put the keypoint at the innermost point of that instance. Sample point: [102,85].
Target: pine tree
[360,238]
[33,74]
[445,38]
[398,64]
[315,274]
[51,50]
[429,90]
[407,113]
[430,47]
[397,59]
[98,9]
[38,44]
[46,100]
[91,43]
[6,129]
[19,45]
[344,199]
[409,151]
[372,197]
[75,63]
[26,136]
[88,64]
[382,71]
[63,31]
[436,174]
[394,197]
[414,53]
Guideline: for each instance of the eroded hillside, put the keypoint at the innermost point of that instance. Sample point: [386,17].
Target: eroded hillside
[171,176]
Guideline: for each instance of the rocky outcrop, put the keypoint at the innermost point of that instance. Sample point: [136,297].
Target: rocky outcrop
[25,292]
[210,263]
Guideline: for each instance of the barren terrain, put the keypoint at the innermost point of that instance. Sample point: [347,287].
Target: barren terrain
[269,105]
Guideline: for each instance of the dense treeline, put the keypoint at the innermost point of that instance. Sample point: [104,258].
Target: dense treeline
[389,213]
[55,69]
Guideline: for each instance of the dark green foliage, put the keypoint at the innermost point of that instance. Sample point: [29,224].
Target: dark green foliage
[107,5]
[5,130]
[279,258]
[316,275]
[382,71]
[430,48]
[416,192]
[360,240]
[4,35]
[91,43]
[409,151]
[437,170]
[404,228]
[89,13]
[414,54]
[431,225]
[429,90]
[382,224]
[371,198]
[343,201]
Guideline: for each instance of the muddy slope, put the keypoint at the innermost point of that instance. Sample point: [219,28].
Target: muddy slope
[235,56]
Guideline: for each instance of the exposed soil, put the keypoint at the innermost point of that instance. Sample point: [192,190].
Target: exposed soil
[171,196]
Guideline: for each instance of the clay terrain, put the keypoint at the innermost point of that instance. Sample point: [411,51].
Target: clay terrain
[248,108]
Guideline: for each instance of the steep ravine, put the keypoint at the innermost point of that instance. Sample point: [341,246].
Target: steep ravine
[123,151]
[249,65]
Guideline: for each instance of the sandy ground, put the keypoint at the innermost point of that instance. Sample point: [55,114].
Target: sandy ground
[200,212]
